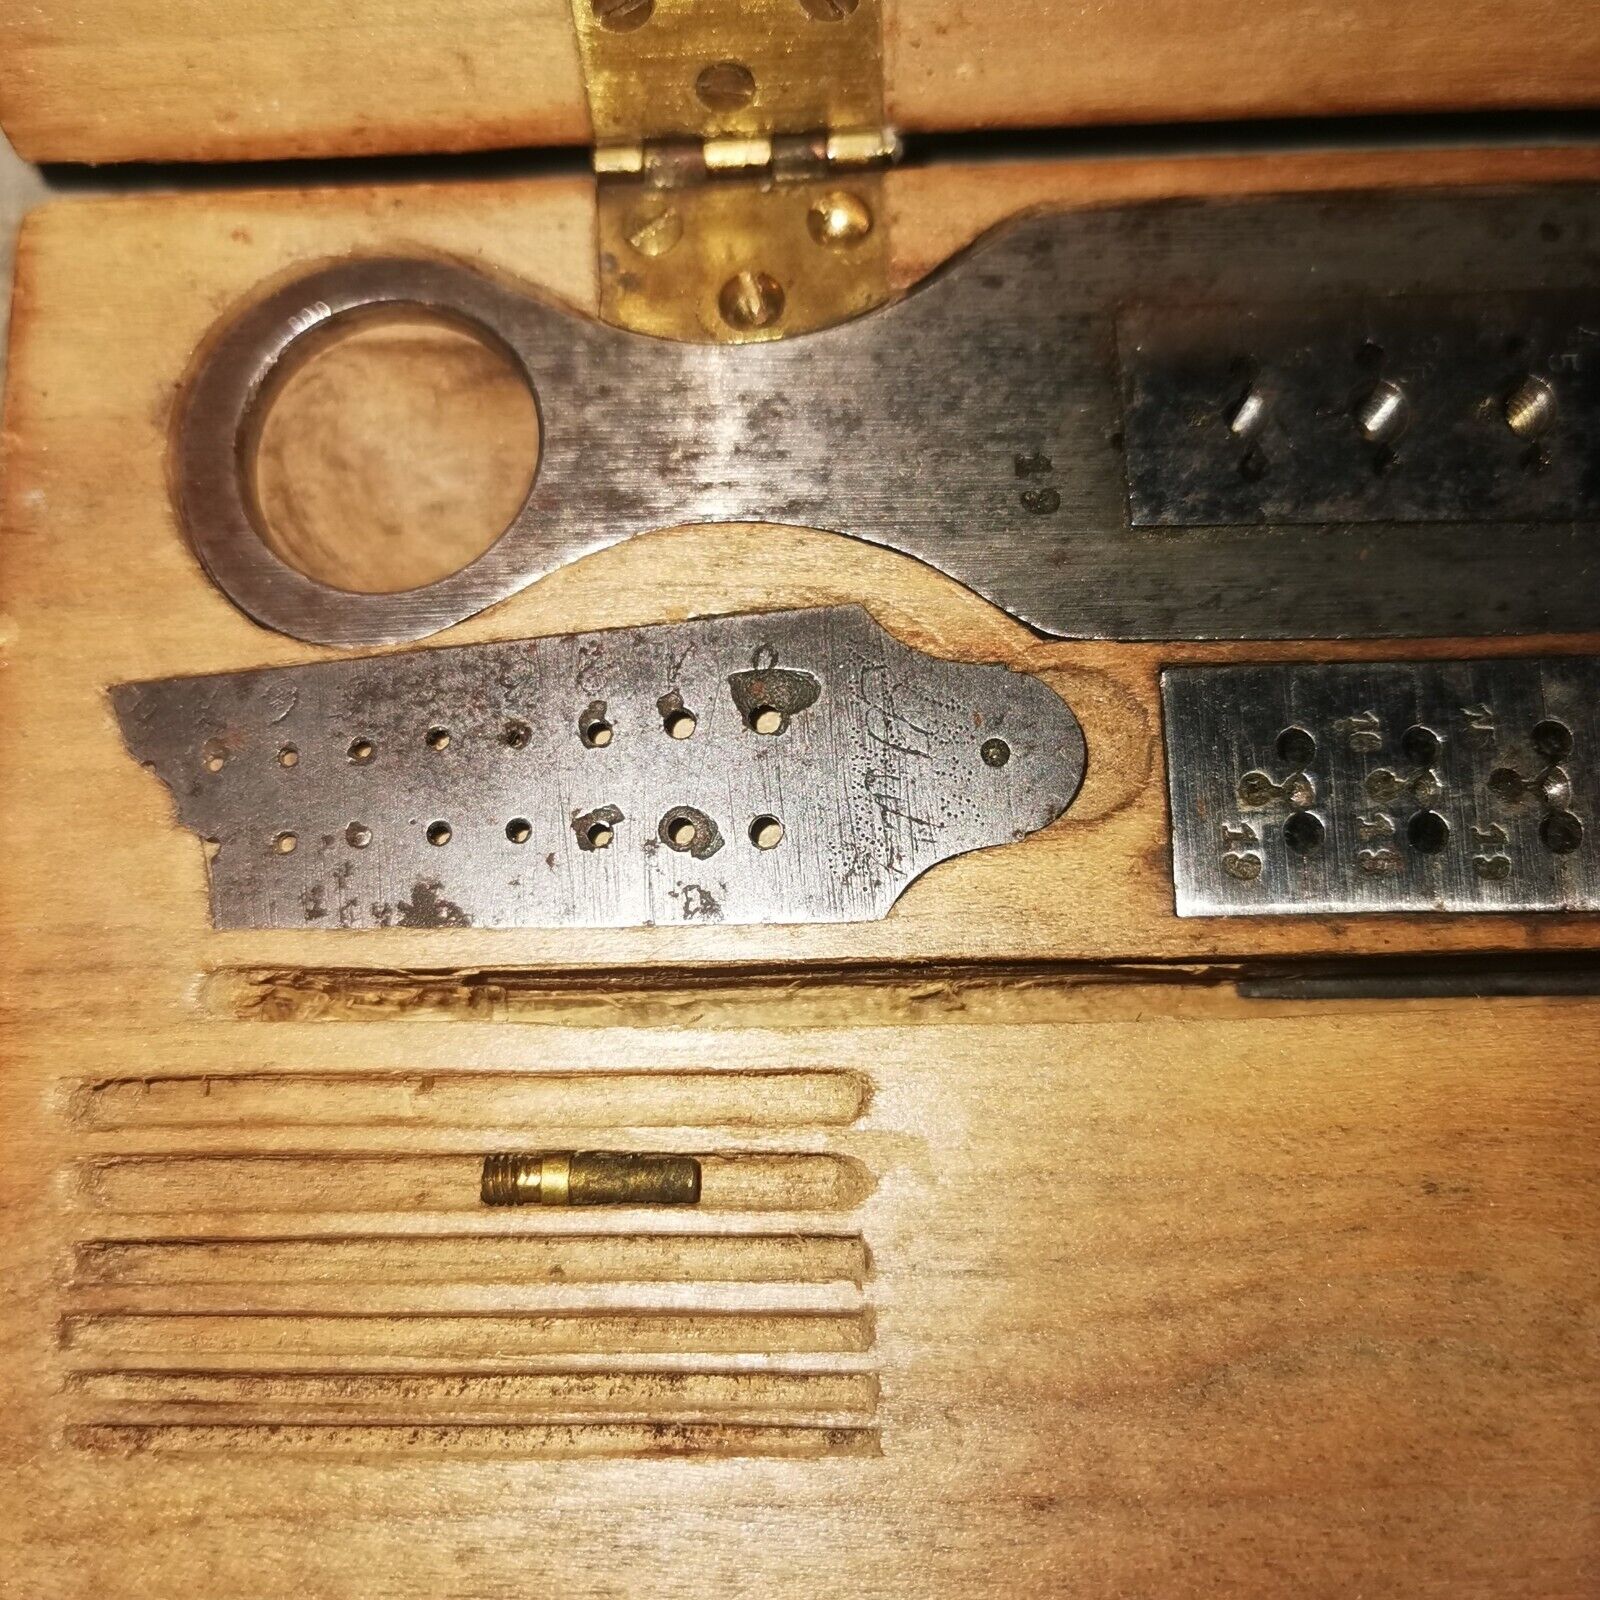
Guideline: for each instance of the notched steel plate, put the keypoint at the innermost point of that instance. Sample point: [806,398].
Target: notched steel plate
[981,424]
[1396,786]
[799,766]
[1406,409]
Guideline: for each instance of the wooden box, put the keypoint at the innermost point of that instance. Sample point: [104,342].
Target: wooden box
[1035,1255]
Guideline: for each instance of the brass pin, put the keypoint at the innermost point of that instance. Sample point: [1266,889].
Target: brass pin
[590,1178]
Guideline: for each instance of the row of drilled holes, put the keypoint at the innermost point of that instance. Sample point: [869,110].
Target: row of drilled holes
[594,732]
[765,833]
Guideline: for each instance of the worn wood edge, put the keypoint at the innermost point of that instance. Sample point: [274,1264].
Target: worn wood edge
[90,81]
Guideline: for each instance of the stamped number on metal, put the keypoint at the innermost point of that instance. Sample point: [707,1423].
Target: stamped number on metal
[1422,786]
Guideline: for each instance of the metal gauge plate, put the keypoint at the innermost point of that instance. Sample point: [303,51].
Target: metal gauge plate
[1394,786]
[1058,420]
[800,766]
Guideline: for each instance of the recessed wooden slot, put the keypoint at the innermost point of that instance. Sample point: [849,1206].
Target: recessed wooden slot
[493,1440]
[165,1340]
[362,1182]
[142,1396]
[484,1259]
[483,1099]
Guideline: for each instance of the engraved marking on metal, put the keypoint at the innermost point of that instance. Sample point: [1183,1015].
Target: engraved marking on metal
[801,766]
[1474,409]
[1409,786]
[977,424]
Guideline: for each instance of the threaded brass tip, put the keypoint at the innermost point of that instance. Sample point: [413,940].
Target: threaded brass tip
[590,1178]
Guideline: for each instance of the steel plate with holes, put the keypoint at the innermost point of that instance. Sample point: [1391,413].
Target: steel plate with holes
[1297,378]
[801,766]
[1396,786]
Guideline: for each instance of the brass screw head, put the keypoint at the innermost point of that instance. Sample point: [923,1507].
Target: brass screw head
[839,218]
[622,16]
[725,86]
[751,300]
[654,229]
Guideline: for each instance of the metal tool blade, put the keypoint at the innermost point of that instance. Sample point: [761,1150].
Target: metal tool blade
[995,422]
[1390,786]
[799,766]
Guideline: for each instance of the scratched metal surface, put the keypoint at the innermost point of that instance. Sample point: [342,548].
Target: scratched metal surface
[978,424]
[551,766]
[1420,786]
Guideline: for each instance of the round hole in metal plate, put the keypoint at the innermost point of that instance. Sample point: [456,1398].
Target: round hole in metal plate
[393,452]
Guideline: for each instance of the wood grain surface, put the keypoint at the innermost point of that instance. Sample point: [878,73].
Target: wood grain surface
[109,80]
[1032,1257]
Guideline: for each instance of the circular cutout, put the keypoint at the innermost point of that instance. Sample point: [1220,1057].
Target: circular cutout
[1420,745]
[1428,833]
[1552,740]
[766,720]
[599,835]
[519,830]
[358,836]
[439,833]
[285,843]
[1297,747]
[288,756]
[597,733]
[682,833]
[394,453]
[361,751]
[438,738]
[725,86]
[995,752]
[680,724]
[766,833]
[1506,785]
[213,755]
[1561,833]
[1303,832]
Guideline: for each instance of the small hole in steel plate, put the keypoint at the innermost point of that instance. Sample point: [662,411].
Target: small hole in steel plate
[1552,740]
[1561,833]
[1297,747]
[766,833]
[1428,833]
[1304,833]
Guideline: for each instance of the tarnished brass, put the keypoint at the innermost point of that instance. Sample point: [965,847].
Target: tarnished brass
[735,142]
[742,259]
[711,69]
[590,1178]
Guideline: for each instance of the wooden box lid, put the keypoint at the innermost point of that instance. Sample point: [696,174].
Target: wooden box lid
[105,80]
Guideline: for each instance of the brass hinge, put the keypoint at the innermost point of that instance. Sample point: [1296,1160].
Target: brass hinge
[739,146]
